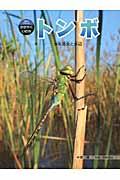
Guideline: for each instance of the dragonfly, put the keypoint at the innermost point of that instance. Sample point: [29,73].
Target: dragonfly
[64,80]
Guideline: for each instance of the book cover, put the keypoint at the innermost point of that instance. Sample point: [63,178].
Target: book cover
[59,89]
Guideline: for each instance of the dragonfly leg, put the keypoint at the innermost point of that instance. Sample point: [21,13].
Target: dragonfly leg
[79,98]
[78,80]
[74,76]
[82,97]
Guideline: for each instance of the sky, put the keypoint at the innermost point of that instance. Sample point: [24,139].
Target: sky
[111,26]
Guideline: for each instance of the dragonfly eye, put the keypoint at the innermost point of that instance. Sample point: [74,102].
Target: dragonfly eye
[67,70]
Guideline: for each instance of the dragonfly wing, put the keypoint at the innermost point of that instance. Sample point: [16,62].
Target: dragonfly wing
[31,74]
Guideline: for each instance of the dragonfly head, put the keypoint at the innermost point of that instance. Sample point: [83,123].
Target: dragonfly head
[67,70]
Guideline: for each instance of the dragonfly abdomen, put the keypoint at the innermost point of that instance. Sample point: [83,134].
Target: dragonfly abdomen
[38,128]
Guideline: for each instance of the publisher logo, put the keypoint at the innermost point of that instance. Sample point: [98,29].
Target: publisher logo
[26,27]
